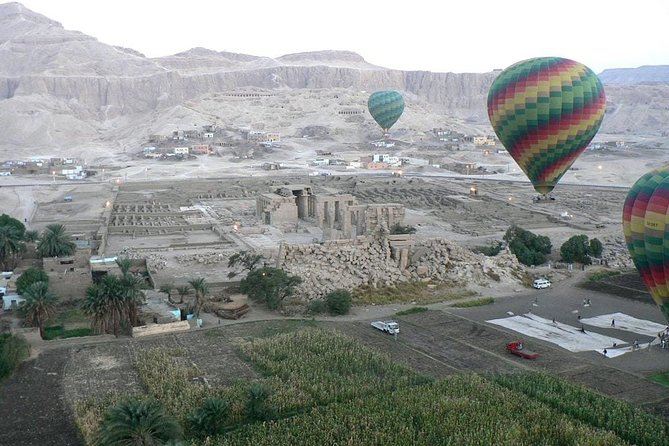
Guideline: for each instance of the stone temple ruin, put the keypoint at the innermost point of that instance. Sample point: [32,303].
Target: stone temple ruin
[340,216]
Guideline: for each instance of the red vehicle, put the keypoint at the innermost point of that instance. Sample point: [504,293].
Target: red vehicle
[517,348]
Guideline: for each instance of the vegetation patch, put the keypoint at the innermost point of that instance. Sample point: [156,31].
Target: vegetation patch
[602,274]
[630,423]
[59,332]
[13,350]
[661,378]
[409,292]
[413,310]
[322,387]
[460,410]
[474,303]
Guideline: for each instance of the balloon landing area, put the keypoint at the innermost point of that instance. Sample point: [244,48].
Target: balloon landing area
[580,338]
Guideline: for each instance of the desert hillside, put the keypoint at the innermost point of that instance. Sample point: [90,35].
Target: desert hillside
[63,92]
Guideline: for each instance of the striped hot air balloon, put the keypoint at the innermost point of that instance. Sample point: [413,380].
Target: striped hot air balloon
[545,111]
[646,227]
[386,107]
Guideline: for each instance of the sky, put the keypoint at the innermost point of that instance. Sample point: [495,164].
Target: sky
[428,35]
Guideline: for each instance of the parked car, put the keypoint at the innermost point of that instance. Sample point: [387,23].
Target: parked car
[541,283]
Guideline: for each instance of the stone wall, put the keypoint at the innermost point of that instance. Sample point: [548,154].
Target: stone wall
[153,329]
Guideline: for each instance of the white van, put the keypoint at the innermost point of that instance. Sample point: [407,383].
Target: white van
[541,283]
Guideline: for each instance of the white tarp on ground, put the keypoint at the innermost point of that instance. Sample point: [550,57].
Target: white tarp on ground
[564,335]
[626,323]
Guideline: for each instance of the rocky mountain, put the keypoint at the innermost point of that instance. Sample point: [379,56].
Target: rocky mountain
[61,88]
[656,74]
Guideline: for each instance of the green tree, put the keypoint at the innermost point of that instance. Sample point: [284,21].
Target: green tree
[339,301]
[201,289]
[31,236]
[124,264]
[167,289]
[55,242]
[11,245]
[7,220]
[402,229]
[39,305]
[529,248]
[210,419]
[137,423]
[244,261]
[113,303]
[30,276]
[133,285]
[183,291]
[576,249]
[596,248]
[269,285]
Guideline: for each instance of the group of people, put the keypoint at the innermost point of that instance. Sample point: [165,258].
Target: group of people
[664,338]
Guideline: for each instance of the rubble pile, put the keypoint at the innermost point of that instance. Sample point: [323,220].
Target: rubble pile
[375,261]
[615,253]
[202,258]
[154,261]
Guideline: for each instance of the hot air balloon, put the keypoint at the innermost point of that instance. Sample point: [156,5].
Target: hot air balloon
[646,230]
[545,111]
[386,107]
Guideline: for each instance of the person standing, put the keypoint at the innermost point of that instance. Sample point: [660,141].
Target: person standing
[613,322]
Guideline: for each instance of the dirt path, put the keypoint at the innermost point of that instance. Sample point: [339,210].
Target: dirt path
[32,408]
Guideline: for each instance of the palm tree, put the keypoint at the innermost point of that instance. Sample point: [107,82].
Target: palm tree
[106,304]
[31,236]
[134,297]
[95,306]
[10,244]
[39,305]
[55,242]
[124,264]
[201,289]
[138,423]
[183,290]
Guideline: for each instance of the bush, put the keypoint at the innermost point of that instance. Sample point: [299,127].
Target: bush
[318,307]
[402,229]
[339,301]
[30,276]
[474,303]
[413,310]
[491,250]
[59,332]
[210,419]
[13,350]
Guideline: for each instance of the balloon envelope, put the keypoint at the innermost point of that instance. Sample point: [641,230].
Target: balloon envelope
[545,111]
[386,107]
[646,230]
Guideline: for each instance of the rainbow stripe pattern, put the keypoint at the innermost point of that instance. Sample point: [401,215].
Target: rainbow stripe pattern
[545,111]
[646,229]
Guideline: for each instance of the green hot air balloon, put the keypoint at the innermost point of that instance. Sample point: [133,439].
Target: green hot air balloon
[386,107]
[545,111]
[646,229]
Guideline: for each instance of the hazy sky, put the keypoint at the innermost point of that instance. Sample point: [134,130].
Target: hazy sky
[432,35]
